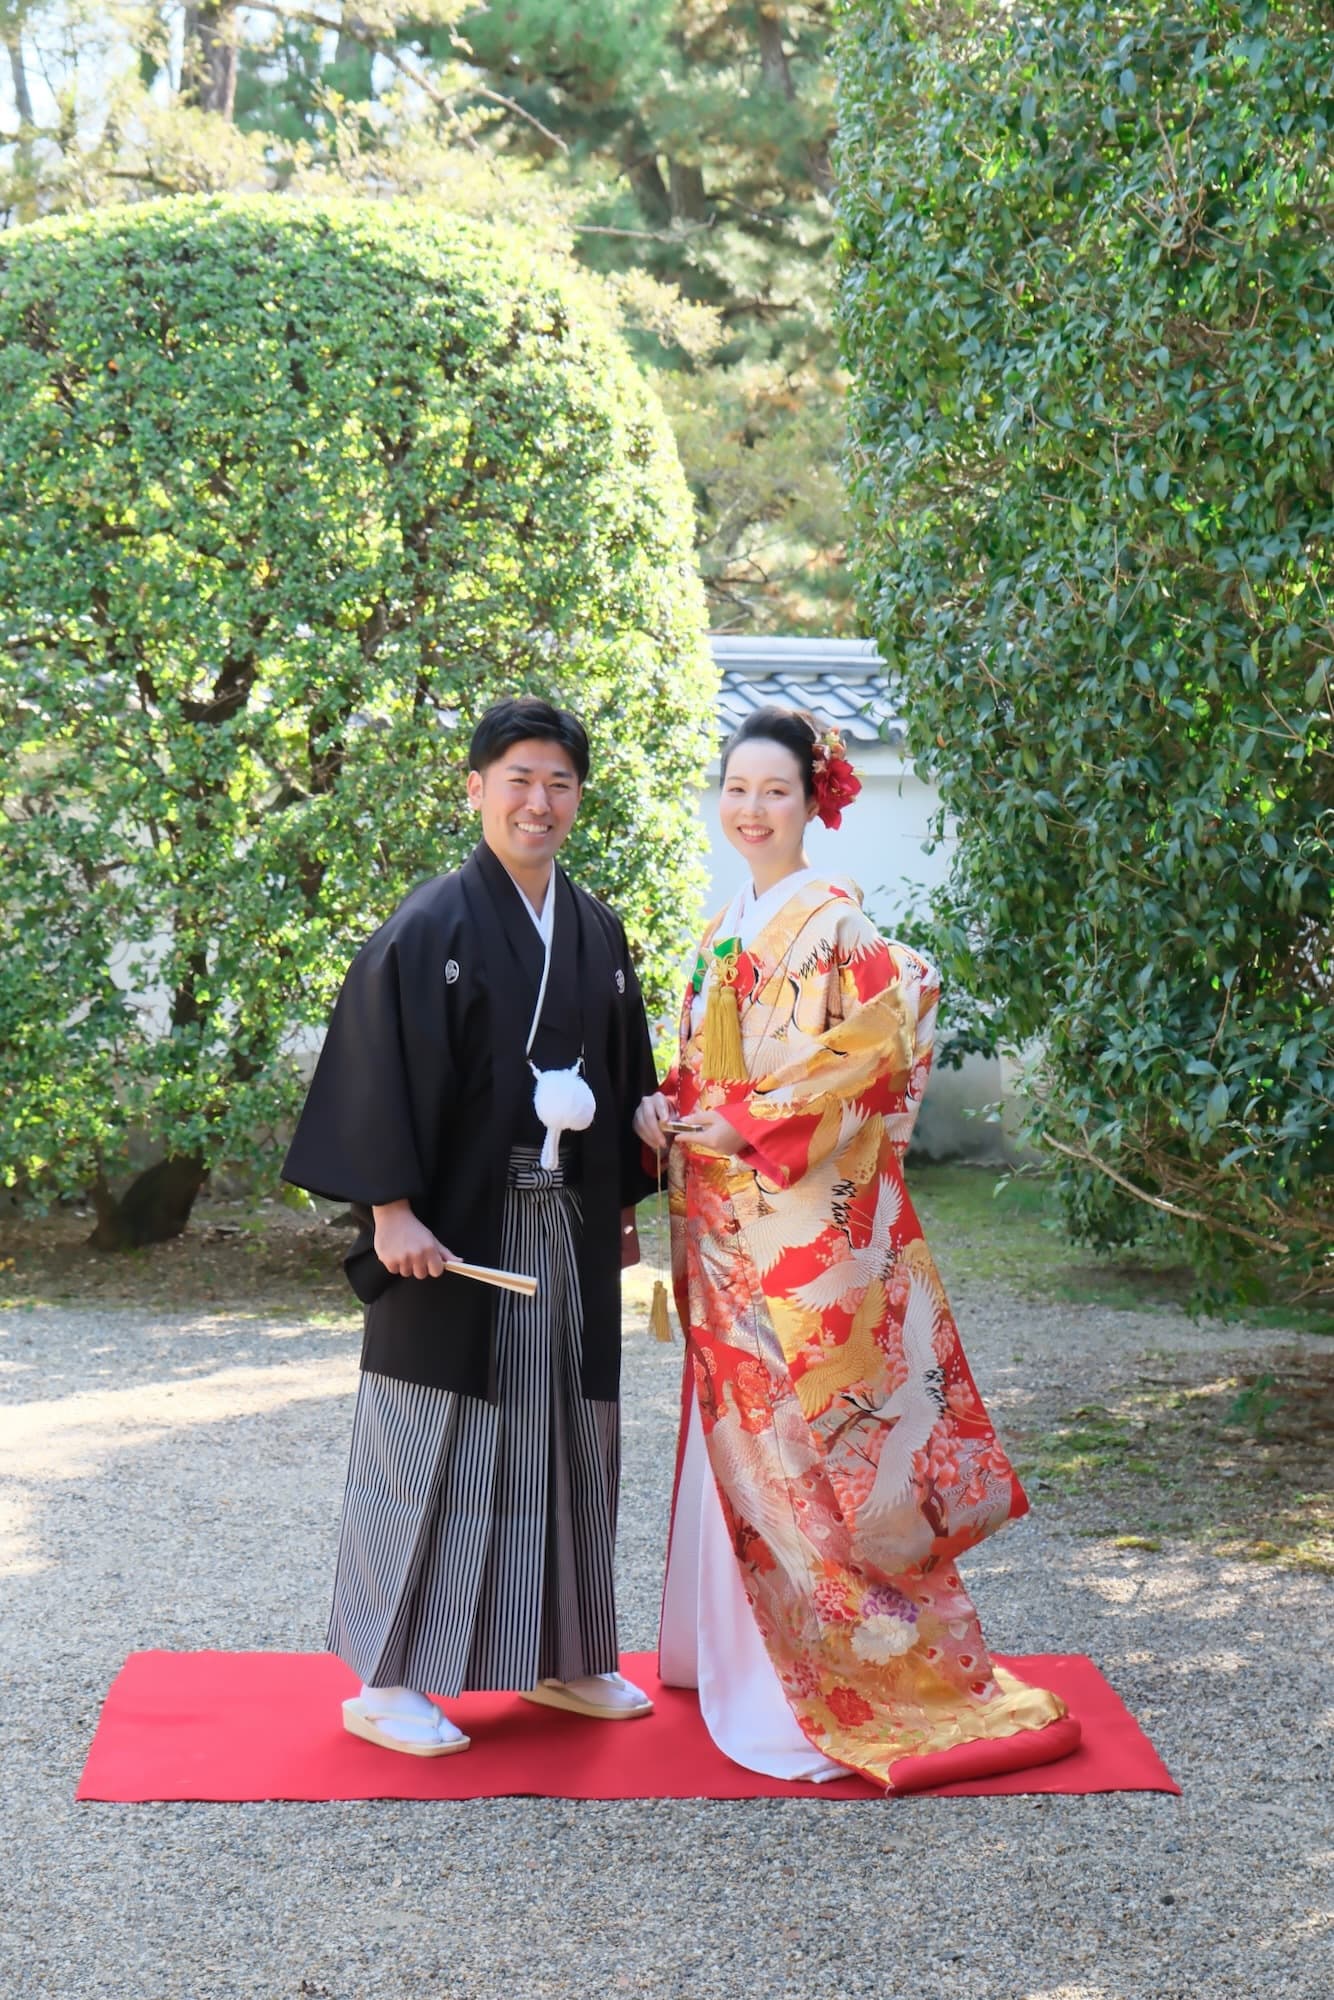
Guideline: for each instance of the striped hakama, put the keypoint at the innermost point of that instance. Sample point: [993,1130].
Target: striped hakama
[477,1539]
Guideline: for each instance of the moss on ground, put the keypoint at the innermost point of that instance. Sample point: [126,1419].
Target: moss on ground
[1236,1459]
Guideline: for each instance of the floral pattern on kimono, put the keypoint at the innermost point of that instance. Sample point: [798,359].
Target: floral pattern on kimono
[852,1452]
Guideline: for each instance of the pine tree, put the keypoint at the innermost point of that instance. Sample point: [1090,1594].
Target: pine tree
[700,131]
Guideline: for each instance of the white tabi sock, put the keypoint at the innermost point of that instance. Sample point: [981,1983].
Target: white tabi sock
[410,1717]
[607,1690]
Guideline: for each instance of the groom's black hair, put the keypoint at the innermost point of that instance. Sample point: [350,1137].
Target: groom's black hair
[521,718]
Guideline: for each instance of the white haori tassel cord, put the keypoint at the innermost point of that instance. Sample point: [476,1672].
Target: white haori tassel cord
[561,1098]
[563,1103]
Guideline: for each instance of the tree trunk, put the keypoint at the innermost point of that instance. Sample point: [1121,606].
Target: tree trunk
[209,66]
[25,207]
[690,203]
[645,177]
[154,1208]
[19,71]
[774,67]
[776,71]
[349,44]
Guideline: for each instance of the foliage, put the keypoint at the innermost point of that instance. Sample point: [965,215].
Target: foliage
[680,146]
[1089,302]
[299,489]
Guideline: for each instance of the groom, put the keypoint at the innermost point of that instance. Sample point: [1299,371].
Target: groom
[480,1512]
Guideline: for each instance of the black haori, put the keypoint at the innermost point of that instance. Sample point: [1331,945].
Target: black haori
[423,1087]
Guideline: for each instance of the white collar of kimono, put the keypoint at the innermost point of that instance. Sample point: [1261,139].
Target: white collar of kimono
[748,913]
[562,1100]
[544,920]
[545,924]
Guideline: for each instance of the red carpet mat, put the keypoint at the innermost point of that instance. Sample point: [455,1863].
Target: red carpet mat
[267,1726]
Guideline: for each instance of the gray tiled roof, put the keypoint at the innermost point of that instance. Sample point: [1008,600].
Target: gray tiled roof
[842,681]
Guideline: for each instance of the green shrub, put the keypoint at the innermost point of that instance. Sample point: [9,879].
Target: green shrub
[1089,304]
[293,492]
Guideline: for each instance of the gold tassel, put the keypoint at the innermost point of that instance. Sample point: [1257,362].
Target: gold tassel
[724,1057]
[658,1323]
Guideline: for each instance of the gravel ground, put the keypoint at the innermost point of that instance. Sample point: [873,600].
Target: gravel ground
[174,1481]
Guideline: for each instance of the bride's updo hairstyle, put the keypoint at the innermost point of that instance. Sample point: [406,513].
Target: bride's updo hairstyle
[793,728]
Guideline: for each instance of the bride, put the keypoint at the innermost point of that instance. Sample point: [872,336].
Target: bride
[835,1456]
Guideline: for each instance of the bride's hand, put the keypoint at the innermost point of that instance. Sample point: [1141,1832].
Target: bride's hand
[653,1111]
[714,1132]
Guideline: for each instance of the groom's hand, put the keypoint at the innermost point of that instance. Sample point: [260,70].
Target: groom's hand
[405,1246]
[650,1118]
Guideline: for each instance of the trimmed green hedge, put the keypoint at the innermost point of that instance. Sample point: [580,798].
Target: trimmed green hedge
[293,492]
[1089,304]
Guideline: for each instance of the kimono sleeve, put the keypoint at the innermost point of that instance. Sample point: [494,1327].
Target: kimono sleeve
[872,1060]
[359,1136]
[921,983]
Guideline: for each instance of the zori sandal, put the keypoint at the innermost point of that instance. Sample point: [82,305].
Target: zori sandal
[408,1734]
[603,1697]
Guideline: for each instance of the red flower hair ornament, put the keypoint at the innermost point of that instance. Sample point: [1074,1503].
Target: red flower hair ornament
[835,783]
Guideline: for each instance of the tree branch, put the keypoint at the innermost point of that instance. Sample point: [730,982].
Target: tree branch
[1084,1158]
[676,234]
[359,31]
